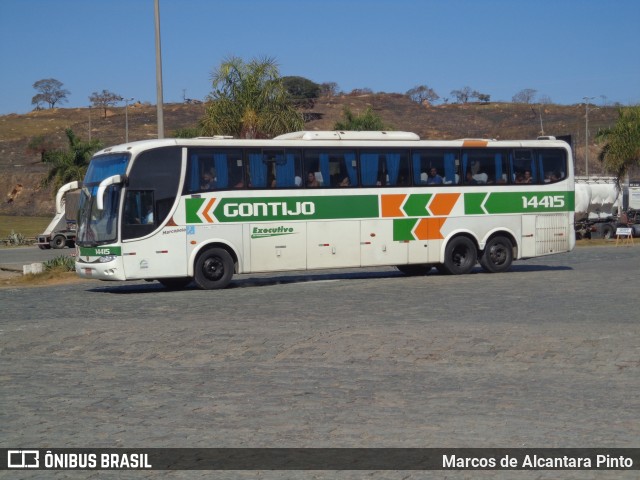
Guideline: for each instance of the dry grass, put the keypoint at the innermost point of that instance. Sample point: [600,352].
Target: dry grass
[28,226]
[54,276]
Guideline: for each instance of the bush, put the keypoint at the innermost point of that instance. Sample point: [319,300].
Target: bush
[16,239]
[62,263]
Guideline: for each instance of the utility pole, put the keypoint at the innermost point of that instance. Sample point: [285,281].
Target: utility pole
[126,119]
[586,134]
[159,72]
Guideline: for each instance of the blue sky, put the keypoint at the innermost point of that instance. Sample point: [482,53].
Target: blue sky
[564,49]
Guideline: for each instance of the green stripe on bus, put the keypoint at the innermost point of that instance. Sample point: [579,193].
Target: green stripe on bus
[100,251]
[192,205]
[416,205]
[402,229]
[229,210]
[518,202]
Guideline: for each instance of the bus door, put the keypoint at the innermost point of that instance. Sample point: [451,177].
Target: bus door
[147,251]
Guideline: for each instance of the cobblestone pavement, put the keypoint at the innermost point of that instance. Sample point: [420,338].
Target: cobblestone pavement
[546,355]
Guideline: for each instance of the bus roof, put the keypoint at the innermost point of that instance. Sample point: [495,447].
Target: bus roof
[327,137]
[349,135]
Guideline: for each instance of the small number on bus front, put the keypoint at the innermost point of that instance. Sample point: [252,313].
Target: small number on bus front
[547,201]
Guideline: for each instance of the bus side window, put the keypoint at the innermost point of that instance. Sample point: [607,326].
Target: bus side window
[523,167]
[552,165]
[384,168]
[285,170]
[330,168]
[435,167]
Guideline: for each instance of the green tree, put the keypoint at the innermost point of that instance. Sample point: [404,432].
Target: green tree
[621,143]
[301,88]
[40,145]
[249,100]
[482,97]
[104,99]
[329,89]
[421,93]
[187,132]
[366,121]
[69,165]
[50,91]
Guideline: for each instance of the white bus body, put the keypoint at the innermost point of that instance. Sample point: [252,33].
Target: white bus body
[178,210]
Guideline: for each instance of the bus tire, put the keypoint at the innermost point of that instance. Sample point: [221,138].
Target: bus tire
[213,269]
[460,256]
[415,270]
[175,283]
[497,255]
[59,241]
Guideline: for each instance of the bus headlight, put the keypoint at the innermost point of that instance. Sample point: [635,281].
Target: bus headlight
[107,258]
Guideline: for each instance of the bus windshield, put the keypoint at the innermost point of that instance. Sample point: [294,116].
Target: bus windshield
[99,227]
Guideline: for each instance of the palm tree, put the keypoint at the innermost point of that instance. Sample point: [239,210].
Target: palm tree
[249,100]
[621,143]
[69,165]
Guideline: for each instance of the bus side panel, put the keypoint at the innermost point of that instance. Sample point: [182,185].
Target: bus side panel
[377,246]
[159,256]
[333,244]
[545,234]
[278,246]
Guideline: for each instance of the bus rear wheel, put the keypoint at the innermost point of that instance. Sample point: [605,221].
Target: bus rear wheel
[460,257]
[213,269]
[497,256]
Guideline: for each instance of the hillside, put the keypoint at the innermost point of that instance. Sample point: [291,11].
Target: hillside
[21,172]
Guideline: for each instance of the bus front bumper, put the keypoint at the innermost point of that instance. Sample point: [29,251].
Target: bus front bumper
[101,268]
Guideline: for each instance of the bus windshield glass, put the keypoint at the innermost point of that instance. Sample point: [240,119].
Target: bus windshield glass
[98,227]
[105,166]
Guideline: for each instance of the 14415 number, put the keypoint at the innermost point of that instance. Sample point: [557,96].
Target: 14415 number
[546,201]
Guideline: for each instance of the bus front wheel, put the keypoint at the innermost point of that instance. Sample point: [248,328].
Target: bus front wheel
[497,255]
[460,256]
[213,269]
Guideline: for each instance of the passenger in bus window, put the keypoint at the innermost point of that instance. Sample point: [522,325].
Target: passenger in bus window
[527,177]
[519,177]
[469,179]
[208,181]
[345,182]
[312,181]
[434,178]
[148,218]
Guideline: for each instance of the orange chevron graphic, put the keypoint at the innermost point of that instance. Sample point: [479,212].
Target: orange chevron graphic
[206,209]
[429,228]
[391,205]
[443,203]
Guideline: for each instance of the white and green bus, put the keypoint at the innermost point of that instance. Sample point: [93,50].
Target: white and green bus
[182,210]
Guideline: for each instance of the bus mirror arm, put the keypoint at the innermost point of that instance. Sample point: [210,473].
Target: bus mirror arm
[113,180]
